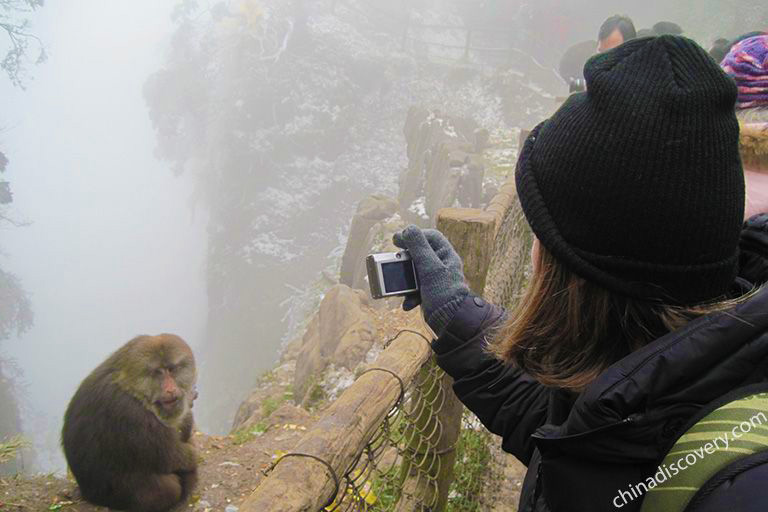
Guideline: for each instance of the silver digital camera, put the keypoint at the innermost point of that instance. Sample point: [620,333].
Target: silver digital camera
[391,274]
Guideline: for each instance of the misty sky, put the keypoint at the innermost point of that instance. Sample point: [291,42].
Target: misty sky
[113,249]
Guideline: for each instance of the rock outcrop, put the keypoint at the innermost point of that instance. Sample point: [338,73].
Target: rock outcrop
[341,333]
[445,165]
[446,168]
[270,391]
[370,211]
[378,239]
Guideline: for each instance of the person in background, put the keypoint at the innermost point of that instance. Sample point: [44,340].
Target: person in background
[644,305]
[747,64]
[667,28]
[748,35]
[662,28]
[720,49]
[722,46]
[646,32]
[615,31]
[571,66]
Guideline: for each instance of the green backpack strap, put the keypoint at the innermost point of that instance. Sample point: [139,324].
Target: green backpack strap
[730,432]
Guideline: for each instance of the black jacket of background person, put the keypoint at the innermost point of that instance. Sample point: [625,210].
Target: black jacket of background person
[581,450]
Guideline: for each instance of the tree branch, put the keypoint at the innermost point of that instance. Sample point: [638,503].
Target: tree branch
[19,37]
[14,223]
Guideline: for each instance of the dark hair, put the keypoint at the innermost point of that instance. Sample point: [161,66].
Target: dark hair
[622,23]
[645,32]
[664,28]
[746,36]
[720,49]
[565,330]
[572,62]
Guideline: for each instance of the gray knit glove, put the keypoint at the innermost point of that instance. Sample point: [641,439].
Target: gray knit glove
[439,269]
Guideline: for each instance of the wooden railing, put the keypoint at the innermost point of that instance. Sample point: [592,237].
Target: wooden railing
[410,33]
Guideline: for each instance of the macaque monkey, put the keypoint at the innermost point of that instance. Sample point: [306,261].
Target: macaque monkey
[127,430]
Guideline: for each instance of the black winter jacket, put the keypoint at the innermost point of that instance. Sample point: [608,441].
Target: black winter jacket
[581,450]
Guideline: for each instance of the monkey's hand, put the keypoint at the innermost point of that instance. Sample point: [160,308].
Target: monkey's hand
[190,462]
[186,428]
[186,459]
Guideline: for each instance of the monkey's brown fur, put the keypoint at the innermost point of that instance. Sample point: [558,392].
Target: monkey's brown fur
[127,429]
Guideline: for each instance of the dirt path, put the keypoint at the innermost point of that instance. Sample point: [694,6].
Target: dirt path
[230,468]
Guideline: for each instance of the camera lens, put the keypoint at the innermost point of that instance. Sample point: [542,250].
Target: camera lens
[398,256]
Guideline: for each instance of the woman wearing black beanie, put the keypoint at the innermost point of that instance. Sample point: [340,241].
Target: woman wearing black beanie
[643,333]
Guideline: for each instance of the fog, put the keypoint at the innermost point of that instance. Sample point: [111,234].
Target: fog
[199,176]
[114,247]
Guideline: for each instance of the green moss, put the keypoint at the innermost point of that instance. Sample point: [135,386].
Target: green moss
[245,434]
[473,457]
[241,436]
[500,172]
[270,405]
[315,394]
[386,487]
[268,377]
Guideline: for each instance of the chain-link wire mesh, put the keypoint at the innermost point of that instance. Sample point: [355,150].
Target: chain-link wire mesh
[403,465]
[509,269]
[473,466]
[400,463]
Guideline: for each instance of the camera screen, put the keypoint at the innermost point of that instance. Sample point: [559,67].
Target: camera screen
[398,276]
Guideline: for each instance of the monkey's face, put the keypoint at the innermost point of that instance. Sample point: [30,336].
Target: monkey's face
[160,371]
[172,388]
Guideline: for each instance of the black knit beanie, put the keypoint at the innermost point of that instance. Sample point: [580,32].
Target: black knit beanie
[637,185]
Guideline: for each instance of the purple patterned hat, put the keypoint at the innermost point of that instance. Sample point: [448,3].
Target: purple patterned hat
[747,63]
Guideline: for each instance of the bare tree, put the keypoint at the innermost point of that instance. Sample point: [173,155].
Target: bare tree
[14,20]
[15,310]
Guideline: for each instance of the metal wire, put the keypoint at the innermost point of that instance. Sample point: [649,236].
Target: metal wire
[328,467]
[415,36]
[510,268]
[401,463]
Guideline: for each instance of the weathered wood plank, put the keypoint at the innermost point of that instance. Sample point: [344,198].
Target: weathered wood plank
[502,202]
[471,232]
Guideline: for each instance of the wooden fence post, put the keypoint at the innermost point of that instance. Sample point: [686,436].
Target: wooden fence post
[472,233]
